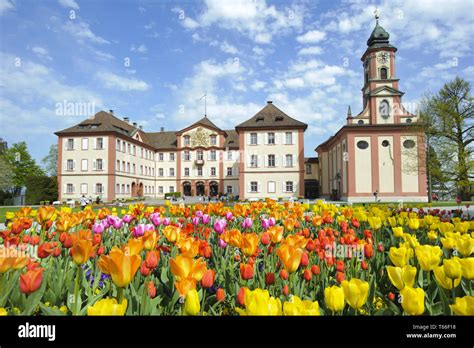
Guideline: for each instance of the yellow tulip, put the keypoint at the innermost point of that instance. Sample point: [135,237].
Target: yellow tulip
[290,256]
[259,302]
[355,292]
[414,223]
[191,304]
[413,300]
[249,243]
[449,243]
[402,276]
[461,227]
[3,312]
[298,307]
[9,215]
[463,305]
[121,266]
[467,266]
[428,256]
[334,298]
[172,233]
[465,244]
[184,266]
[432,235]
[411,240]
[400,256]
[444,280]
[375,222]
[446,227]
[108,306]
[452,268]
[397,231]
[392,221]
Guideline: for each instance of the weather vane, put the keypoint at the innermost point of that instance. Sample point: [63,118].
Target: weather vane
[205,103]
[376,14]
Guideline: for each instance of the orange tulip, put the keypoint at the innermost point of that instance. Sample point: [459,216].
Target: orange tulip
[120,265]
[81,251]
[246,271]
[208,279]
[276,234]
[296,241]
[185,285]
[220,295]
[172,233]
[10,258]
[152,258]
[289,223]
[31,280]
[290,256]
[232,237]
[149,240]
[249,243]
[134,246]
[45,214]
[185,267]
[188,246]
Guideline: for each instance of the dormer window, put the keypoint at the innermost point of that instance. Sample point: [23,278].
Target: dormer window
[279,118]
[383,73]
[260,119]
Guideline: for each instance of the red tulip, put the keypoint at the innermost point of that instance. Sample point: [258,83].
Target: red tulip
[391,296]
[144,270]
[220,295]
[246,271]
[241,297]
[284,274]
[152,289]
[307,274]
[269,278]
[340,276]
[265,238]
[340,265]
[207,280]
[304,260]
[151,259]
[364,265]
[368,250]
[315,269]
[286,290]
[31,280]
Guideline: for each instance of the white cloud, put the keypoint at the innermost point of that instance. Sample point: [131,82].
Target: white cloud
[258,85]
[5,5]
[140,49]
[41,52]
[113,81]
[103,55]
[312,36]
[224,46]
[296,82]
[82,32]
[311,50]
[69,4]
[259,21]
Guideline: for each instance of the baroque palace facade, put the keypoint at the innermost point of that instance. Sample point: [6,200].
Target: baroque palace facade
[111,158]
[379,154]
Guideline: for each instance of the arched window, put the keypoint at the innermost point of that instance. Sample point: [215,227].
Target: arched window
[383,73]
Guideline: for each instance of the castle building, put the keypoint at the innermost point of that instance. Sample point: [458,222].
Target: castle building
[379,153]
[112,158]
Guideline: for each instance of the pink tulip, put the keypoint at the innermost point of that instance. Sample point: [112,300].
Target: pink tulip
[199,214]
[98,228]
[127,218]
[166,221]
[115,221]
[196,221]
[229,216]
[222,243]
[155,219]
[220,225]
[247,223]
[272,221]
[265,224]
[205,219]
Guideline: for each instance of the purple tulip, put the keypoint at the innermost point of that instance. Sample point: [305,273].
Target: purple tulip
[272,221]
[247,223]
[166,221]
[127,218]
[196,221]
[98,228]
[115,221]
[139,230]
[222,243]
[229,216]
[220,225]
[105,223]
[205,219]
[199,214]
[265,224]
[155,219]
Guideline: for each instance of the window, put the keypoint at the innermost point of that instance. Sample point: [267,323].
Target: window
[172,156]
[99,143]
[124,146]
[213,140]
[362,144]
[229,190]
[199,171]
[134,150]
[141,152]
[161,156]
[123,188]
[271,160]
[409,144]
[253,138]
[187,156]
[128,188]
[308,169]
[271,187]
[383,73]
[134,168]
[213,155]
[288,138]
[199,155]
[360,122]
[70,144]
[253,186]
[141,169]
[229,171]
[117,188]
[117,166]
[253,161]
[186,171]
[271,138]
[160,171]
[229,155]
[289,186]
[171,171]
[385,143]
[70,165]
[98,188]
[160,190]
[187,140]
[83,188]
[85,143]
[128,167]
[84,165]
[213,171]
[100,165]
[171,189]
[129,148]
[289,160]
[69,188]
[118,145]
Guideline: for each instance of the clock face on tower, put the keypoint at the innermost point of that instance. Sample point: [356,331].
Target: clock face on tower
[383,58]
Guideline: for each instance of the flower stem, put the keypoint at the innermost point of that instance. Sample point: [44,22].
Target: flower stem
[76,291]
[119,295]
[203,300]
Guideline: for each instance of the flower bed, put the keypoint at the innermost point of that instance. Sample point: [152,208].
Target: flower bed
[262,258]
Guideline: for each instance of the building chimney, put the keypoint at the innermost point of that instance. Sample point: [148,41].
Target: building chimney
[126,119]
[135,124]
[162,129]
[111,111]
[141,127]
[269,102]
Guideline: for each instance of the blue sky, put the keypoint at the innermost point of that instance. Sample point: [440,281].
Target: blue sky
[152,60]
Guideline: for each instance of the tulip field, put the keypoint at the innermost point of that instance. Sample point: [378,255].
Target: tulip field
[259,258]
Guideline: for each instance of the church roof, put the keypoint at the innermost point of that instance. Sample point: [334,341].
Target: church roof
[379,37]
[271,116]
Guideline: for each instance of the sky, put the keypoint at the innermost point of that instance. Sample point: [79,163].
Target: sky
[152,60]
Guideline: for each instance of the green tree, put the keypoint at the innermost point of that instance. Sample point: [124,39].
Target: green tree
[41,188]
[50,161]
[448,121]
[21,164]
[6,174]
